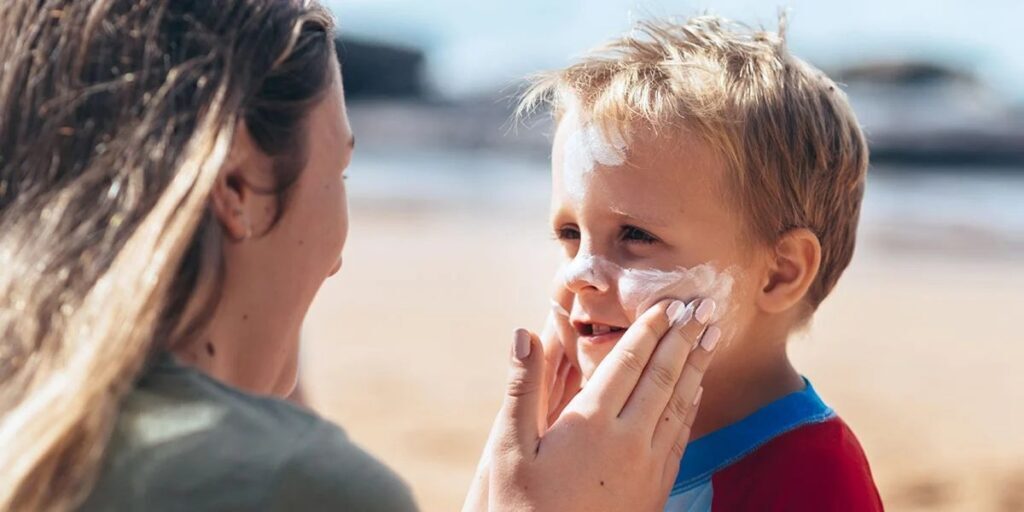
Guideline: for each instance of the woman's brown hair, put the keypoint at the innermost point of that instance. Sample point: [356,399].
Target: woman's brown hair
[115,119]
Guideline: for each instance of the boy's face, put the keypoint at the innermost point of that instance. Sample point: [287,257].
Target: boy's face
[663,208]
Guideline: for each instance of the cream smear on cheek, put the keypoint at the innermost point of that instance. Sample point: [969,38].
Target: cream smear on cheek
[640,289]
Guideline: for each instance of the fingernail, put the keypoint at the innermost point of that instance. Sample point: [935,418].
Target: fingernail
[557,308]
[674,311]
[710,338]
[521,347]
[700,393]
[684,316]
[705,311]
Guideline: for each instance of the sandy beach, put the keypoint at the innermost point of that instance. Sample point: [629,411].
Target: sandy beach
[918,349]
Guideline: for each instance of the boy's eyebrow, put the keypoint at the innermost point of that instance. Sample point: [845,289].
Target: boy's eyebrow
[656,221]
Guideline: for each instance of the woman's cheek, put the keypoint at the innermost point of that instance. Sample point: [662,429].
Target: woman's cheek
[333,222]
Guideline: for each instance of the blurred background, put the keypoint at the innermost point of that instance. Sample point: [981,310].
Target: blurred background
[919,347]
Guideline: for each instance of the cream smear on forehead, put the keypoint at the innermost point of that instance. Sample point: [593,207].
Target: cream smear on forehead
[639,289]
[586,147]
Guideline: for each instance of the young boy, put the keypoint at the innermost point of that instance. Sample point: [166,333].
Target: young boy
[702,160]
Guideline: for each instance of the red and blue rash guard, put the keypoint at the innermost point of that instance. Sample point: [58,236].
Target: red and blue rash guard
[793,454]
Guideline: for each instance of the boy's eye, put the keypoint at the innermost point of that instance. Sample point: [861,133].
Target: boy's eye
[635,234]
[567,233]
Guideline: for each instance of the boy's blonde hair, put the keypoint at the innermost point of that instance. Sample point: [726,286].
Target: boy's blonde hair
[796,155]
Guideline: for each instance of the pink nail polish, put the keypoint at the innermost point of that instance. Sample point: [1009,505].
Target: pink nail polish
[705,311]
[521,347]
[686,316]
[674,311]
[710,339]
[558,309]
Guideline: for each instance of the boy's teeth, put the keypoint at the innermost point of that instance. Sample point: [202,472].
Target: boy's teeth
[601,329]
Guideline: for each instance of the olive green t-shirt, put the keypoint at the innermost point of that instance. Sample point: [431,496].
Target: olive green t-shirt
[183,441]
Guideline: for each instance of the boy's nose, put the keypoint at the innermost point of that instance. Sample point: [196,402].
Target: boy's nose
[587,271]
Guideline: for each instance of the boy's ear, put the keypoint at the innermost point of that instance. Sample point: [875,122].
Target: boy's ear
[792,268]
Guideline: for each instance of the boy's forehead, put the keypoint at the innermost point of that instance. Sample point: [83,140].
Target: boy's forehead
[670,156]
[662,178]
[678,155]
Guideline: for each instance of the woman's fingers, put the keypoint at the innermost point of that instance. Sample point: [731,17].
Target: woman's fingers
[672,427]
[682,438]
[554,355]
[658,402]
[658,382]
[616,377]
[570,386]
[552,345]
[557,389]
[518,420]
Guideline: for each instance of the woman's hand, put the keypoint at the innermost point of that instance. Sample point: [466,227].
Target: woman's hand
[562,376]
[561,381]
[618,442]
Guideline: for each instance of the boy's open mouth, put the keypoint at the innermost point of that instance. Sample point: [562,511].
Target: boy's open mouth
[596,330]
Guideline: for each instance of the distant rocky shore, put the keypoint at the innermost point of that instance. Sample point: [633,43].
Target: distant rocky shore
[915,113]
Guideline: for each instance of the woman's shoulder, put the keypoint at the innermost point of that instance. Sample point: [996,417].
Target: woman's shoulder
[312,477]
[184,440]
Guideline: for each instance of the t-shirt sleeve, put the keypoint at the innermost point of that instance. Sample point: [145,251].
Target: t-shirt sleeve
[326,471]
[818,467]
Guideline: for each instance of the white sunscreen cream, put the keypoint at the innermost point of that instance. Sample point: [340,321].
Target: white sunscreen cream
[640,289]
[595,271]
[586,147]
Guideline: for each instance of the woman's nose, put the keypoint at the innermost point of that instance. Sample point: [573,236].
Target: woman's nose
[588,272]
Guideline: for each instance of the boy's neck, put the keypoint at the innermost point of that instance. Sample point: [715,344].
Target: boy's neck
[735,390]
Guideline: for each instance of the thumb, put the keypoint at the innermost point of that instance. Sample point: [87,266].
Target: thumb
[521,410]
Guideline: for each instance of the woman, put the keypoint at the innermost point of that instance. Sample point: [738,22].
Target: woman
[171,199]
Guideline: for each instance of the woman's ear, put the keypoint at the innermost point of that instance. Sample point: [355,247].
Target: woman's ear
[792,268]
[233,199]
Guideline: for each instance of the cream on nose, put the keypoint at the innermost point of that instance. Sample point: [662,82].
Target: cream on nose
[588,271]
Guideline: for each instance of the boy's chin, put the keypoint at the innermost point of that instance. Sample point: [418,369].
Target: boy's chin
[590,359]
